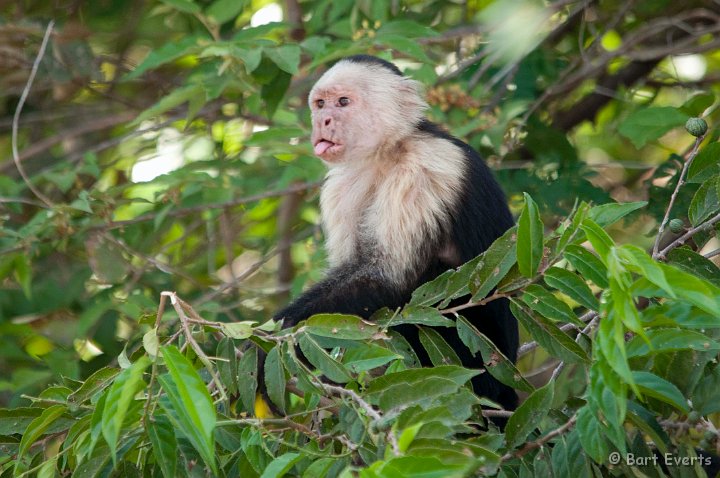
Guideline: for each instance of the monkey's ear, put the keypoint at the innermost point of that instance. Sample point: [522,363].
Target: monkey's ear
[412,94]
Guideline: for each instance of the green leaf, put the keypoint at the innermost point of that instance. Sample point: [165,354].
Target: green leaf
[705,202]
[286,57]
[317,356]
[120,396]
[95,383]
[341,326]
[191,406]
[646,421]
[496,363]
[695,290]
[222,11]
[415,315]
[549,336]
[572,286]
[705,397]
[601,242]
[654,386]
[275,378]
[280,134]
[494,263]
[641,263]
[227,365]
[592,436]
[473,457]
[168,52]
[403,44]
[247,378]
[650,123]
[106,260]
[438,350]
[697,104]
[281,465]
[529,238]
[164,444]
[238,330]
[432,292]
[408,435]
[545,303]
[176,98]
[667,340]
[274,92]
[23,273]
[587,264]
[319,467]
[528,415]
[607,214]
[82,203]
[690,261]
[568,458]
[611,340]
[407,29]
[96,422]
[151,343]
[400,345]
[415,466]
[417,386]
[568,230]
[187,6]
[251,58]
[458,281]
[366,357]
[705,165]
[35,430]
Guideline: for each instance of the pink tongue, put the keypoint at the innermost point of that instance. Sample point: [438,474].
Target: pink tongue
[322,146]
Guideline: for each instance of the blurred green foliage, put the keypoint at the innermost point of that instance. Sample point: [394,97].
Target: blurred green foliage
[166,143]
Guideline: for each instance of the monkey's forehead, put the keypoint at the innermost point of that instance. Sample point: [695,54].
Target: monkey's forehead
[349,75]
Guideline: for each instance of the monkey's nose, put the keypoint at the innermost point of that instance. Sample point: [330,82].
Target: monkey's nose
[327,121]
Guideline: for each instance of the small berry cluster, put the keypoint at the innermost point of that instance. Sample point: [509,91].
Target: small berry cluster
[451,97]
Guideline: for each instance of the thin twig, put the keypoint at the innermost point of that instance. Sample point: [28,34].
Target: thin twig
[497,413]
[18,110]
[372,413]
[530,346]
[681,181]
[153,373]
[162,266]
[691,232]
[490,298]
[177,305]
[542,440]
[560,366]
[97,124]
[711,254]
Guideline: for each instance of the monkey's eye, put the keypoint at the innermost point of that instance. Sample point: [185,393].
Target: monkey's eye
[320,103]
[344,101]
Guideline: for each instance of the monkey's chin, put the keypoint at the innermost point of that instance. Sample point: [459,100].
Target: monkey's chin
[333,154]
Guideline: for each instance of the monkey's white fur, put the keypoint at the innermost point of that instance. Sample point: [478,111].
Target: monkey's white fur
[397,190]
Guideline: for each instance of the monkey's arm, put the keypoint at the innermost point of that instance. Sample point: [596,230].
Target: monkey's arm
[348,289]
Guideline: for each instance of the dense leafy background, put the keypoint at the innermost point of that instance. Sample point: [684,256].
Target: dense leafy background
[162,203]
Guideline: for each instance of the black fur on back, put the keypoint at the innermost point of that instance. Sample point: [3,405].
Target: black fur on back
[481,217]
[373,60]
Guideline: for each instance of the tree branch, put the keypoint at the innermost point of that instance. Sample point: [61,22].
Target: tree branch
[18,110]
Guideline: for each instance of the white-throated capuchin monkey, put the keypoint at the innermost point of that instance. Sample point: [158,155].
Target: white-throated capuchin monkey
[403,201]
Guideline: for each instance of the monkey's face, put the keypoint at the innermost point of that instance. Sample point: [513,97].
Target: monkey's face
[359,110]
[334,111]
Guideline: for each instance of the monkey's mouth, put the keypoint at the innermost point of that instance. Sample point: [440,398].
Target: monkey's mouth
[323,146]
